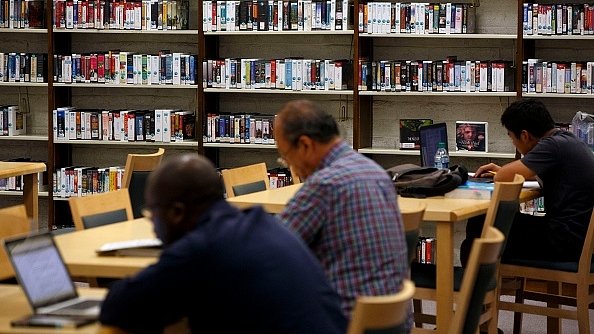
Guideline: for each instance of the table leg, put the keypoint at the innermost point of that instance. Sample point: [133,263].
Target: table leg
[445,272]
[31,197]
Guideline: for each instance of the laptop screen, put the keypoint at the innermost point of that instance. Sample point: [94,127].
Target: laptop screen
[430,136]
[40,270]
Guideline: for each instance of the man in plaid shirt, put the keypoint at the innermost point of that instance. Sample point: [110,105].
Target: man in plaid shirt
[347,209]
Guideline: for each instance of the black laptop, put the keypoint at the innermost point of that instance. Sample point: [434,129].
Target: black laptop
[430,136]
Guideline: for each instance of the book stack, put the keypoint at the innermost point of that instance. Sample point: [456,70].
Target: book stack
[239,128]
[126,68]
[275,15]
[22,14]
[557,77]
[289,74]
[77,181]
[23,67]
[473,190]
[122,15]
[159,125]
[416,18]
[449,75]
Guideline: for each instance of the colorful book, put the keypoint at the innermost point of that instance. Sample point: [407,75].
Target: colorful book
[472,136]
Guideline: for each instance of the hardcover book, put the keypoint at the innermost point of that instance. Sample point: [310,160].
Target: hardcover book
[472,190]
[472,136]
[409,133]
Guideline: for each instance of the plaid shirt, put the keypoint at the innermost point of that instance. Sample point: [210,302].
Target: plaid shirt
[347,212]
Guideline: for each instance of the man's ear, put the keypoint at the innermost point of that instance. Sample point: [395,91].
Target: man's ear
[176,213]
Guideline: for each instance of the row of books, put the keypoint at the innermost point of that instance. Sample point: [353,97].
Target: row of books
[558,19]
[160,125]
[290,74]
[12,121]
[416,18]
[273,15]
[22,14]
[23,67]
[117,14]
[78,181]
[426,250]
[450,75]
[239,128]
[534,207]
[15,183]
[557,77]
[121,68]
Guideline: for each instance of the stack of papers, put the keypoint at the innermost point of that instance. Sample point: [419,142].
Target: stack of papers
[136,247]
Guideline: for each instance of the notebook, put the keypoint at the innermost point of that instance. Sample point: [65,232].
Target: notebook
[430,136]
[43,276]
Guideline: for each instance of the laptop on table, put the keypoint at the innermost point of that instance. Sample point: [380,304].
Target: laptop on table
[429,137]
[44,277]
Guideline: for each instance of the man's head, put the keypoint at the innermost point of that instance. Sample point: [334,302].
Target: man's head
[178,192]
[527,121]
[304,133]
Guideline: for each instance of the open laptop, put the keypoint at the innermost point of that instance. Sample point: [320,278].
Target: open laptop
[42,274]
[430,136]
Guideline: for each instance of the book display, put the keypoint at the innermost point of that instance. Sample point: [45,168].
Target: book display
[472,136]
[370,64]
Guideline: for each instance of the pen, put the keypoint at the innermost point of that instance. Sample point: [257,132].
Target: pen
[492,172]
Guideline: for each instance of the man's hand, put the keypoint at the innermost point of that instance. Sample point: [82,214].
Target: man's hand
[488,170]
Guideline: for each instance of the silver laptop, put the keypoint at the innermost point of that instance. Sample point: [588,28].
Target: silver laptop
[41,272]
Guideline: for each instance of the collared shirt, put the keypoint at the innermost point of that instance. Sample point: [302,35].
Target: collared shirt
[347,212]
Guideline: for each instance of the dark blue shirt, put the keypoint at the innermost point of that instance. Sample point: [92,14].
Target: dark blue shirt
[235,272]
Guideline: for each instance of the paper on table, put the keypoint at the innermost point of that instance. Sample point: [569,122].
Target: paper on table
[136,243]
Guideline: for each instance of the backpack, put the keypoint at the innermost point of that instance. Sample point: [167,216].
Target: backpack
[415,181]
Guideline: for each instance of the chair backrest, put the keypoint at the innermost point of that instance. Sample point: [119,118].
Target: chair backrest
[245,180]
[482,266]
[412,224]
[385,314]
[101,209]
[136,189]
[141,163]
[13,221]
[503,207]
[584,264]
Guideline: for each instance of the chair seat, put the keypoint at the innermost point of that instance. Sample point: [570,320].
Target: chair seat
[425,276]
[542,264]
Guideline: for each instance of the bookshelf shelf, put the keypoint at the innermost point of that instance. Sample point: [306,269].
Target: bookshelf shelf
[240,146]
[24,138]
[20,193]
[23,31]
[558,37]
[554,95]
[452,153]
[126,31]
[23,84]
[193,144]
[437,94]
[278,91]
[440,36]
[284,32]
[124,86]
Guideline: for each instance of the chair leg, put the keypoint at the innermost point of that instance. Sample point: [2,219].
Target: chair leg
[553,324]
[494,310]
[418,309]
[582,296]
[520,300]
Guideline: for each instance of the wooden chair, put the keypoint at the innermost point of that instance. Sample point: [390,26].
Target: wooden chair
[101,209]
[482,266]
[412,224]
[557,274]
[245,180]
[385,314]
[136,172]
[13,221]
[502,208]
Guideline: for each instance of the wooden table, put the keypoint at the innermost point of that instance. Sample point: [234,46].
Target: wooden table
[78,249]
[14,305]
[29,172]
[443,211]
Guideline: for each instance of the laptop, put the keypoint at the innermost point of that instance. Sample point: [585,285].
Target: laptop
[42,274]
[430,136]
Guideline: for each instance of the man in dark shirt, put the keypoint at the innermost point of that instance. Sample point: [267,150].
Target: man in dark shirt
[564,167]
[226,270]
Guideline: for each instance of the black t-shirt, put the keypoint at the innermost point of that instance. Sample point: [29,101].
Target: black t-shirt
[564,166]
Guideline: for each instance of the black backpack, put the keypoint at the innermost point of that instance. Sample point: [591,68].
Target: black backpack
[415,181]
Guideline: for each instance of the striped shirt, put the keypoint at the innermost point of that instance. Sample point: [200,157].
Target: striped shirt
[347,212]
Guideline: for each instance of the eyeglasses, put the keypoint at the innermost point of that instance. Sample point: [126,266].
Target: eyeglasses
[282,160]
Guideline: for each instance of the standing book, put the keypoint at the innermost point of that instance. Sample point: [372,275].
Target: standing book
[409,133]
[472,136]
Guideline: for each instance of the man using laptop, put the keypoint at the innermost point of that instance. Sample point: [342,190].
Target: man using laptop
[226,270]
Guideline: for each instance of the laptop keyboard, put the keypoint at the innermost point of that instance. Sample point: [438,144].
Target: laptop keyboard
[79,306]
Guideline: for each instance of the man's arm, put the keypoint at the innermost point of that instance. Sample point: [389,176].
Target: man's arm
[507,172]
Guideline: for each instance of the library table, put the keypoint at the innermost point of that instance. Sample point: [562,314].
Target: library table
[14,305]
[78,249]
[29,172]
[443,211]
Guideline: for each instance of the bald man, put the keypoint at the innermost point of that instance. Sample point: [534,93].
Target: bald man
[226,270]
[347,209]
